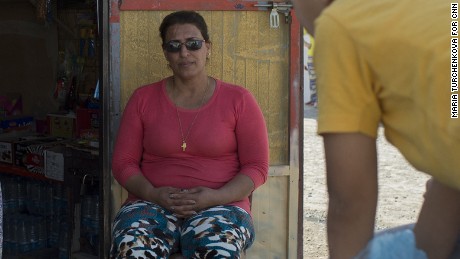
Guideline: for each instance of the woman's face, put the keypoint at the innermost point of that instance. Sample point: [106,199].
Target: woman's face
[186,63]
[308,10]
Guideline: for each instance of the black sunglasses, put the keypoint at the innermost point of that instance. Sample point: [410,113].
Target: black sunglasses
[175,45]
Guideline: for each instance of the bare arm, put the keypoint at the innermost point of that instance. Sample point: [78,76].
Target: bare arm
[141,188]
[438,225]
[351,161]
[237,189]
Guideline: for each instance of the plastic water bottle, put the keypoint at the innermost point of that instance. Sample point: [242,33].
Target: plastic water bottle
[11,195]
[54,227]
[14,229]
[21,194]
[32,233]
[64,241]
[7,235]
[6,195]
[23,238]
[52,231]
[90,219]
[33,195]
[60,199]
[86,204]
[48,200]
[42,233]
[42,198]
[94,222]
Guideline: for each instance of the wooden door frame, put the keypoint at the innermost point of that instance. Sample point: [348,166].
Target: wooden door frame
[111,87]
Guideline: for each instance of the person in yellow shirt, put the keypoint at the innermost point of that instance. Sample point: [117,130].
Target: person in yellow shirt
[385,63]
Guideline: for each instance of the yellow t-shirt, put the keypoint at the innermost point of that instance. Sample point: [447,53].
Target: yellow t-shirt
[388,62]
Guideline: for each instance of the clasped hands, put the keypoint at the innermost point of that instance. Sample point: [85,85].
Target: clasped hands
[185,203]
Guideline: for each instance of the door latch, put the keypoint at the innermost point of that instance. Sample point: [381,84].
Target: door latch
[276,8]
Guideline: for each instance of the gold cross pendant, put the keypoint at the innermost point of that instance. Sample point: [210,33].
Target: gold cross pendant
[184,145]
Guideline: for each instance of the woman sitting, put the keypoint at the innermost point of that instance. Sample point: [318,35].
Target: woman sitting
[190,151]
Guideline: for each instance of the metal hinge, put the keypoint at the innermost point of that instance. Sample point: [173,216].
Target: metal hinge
[284,8]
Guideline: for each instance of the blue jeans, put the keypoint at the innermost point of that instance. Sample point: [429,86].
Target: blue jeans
[398,242]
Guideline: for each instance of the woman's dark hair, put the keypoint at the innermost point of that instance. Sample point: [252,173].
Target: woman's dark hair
[184,17]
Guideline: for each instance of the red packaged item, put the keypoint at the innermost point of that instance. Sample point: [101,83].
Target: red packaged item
[87,121]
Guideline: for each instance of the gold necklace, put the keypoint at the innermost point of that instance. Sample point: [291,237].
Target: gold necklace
[184,138]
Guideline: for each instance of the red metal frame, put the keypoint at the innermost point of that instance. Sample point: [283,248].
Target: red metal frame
[114,12]
[296,117]
[228,5]
[16,170]
[146,5]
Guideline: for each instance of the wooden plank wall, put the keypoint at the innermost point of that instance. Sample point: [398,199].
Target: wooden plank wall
[244,51]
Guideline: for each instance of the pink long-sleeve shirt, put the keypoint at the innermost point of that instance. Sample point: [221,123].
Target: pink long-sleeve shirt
[228,137]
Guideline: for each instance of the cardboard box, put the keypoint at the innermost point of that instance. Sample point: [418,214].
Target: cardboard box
[55,162]
[20,151]
[35,157]
[7,150]
[17,145]
[30,153]
[17,123]
[63,160]
[62,125]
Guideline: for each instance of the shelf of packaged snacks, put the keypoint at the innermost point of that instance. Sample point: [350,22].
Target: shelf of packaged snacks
[20,171]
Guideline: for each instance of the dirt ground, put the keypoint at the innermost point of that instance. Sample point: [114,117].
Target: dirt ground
[401,189]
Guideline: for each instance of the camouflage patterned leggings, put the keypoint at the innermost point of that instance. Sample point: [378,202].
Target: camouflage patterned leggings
[145,230]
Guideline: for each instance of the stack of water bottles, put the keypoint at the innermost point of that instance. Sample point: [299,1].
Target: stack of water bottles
[89,226]
[35,215]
